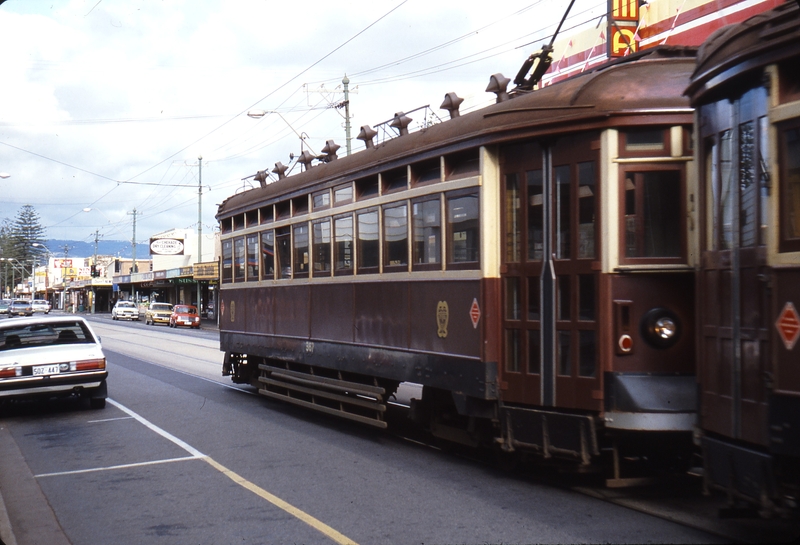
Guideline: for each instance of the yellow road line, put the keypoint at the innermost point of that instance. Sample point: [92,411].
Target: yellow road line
[277,502]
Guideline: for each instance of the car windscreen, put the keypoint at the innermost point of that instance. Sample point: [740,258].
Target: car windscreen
[161,307]
[51,333]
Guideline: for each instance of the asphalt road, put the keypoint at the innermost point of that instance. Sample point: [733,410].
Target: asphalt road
[180,455]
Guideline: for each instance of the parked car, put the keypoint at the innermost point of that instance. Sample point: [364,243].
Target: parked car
[125,310]
[47,356]
[4,307]
[20,307]
[40,305]
[184,315]
[158,313]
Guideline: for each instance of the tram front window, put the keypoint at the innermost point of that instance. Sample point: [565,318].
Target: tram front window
[652,214]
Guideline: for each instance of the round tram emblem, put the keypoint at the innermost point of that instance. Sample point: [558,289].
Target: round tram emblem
[442,317]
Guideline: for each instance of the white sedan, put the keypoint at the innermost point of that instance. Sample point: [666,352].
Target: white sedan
[51,356]
[125,310]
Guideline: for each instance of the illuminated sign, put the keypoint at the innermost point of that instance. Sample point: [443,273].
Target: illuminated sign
[622,42]
[624,10]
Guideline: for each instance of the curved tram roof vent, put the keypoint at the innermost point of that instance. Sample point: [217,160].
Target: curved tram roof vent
[280,169]
[366,135]
[261,177]
[305,158]
[330,151]
[401,122]
[451,103]
[498,84]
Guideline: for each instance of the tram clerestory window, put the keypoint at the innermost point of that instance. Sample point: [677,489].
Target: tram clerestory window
[652,214]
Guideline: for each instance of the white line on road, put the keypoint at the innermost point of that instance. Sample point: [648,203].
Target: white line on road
[238,479]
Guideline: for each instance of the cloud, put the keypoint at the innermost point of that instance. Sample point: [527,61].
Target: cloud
[94,94]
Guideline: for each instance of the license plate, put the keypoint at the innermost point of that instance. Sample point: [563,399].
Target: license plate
[41,370]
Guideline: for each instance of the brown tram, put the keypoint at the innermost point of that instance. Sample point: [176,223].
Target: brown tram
[746,89]
[530,265]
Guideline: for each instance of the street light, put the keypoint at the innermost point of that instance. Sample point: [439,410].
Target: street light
[15,263]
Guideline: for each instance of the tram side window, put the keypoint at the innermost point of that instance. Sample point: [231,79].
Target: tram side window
[368,243]
[652,214]
[586,210]
[238,259]
[535,215]
[427,224]
[463,229]
[283,255]
[790,192]
[252,258]
[321,238]
[513,220]
[562,210]
[343,247]
[268,254]
[301,256]
[227,261]
[395,236]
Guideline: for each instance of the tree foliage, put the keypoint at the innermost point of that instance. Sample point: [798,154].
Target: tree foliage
[17,239]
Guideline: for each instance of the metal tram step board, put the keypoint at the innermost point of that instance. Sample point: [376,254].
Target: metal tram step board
[324,394]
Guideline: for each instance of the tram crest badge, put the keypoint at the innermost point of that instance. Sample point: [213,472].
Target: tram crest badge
[442,318]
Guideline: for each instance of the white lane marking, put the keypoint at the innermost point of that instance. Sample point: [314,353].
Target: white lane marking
[163,433]
[317,524]
[110,419]
[123,466]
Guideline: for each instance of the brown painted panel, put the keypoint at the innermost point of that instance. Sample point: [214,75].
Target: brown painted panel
[381,314]
[332,312]
[672,291]
[292,311]
[257,304]
[461,336]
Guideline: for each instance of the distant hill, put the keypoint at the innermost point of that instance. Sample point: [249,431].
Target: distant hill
[79,248]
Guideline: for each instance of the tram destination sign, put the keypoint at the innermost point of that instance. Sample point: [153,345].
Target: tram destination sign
[788,325]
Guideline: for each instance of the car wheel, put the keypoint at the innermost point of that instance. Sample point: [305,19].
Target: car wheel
[97,402]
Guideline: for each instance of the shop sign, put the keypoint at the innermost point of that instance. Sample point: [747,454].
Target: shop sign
[166,246]
[206,271]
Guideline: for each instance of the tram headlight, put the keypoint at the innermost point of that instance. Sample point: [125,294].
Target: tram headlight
[660,328]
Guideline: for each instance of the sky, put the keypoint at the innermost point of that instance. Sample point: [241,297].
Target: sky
[108,105]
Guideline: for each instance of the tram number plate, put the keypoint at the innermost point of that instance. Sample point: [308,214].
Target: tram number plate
[43,370]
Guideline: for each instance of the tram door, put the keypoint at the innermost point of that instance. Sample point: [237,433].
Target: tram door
[735,313]
[550,290]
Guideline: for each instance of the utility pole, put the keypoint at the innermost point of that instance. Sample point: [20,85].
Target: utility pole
[133,240]
[346,82]
[199,257]
[94,266]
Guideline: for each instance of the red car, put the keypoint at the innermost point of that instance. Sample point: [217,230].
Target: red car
[184,315]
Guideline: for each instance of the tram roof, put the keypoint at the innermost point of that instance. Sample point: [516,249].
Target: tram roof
[731,55]
[644,83]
